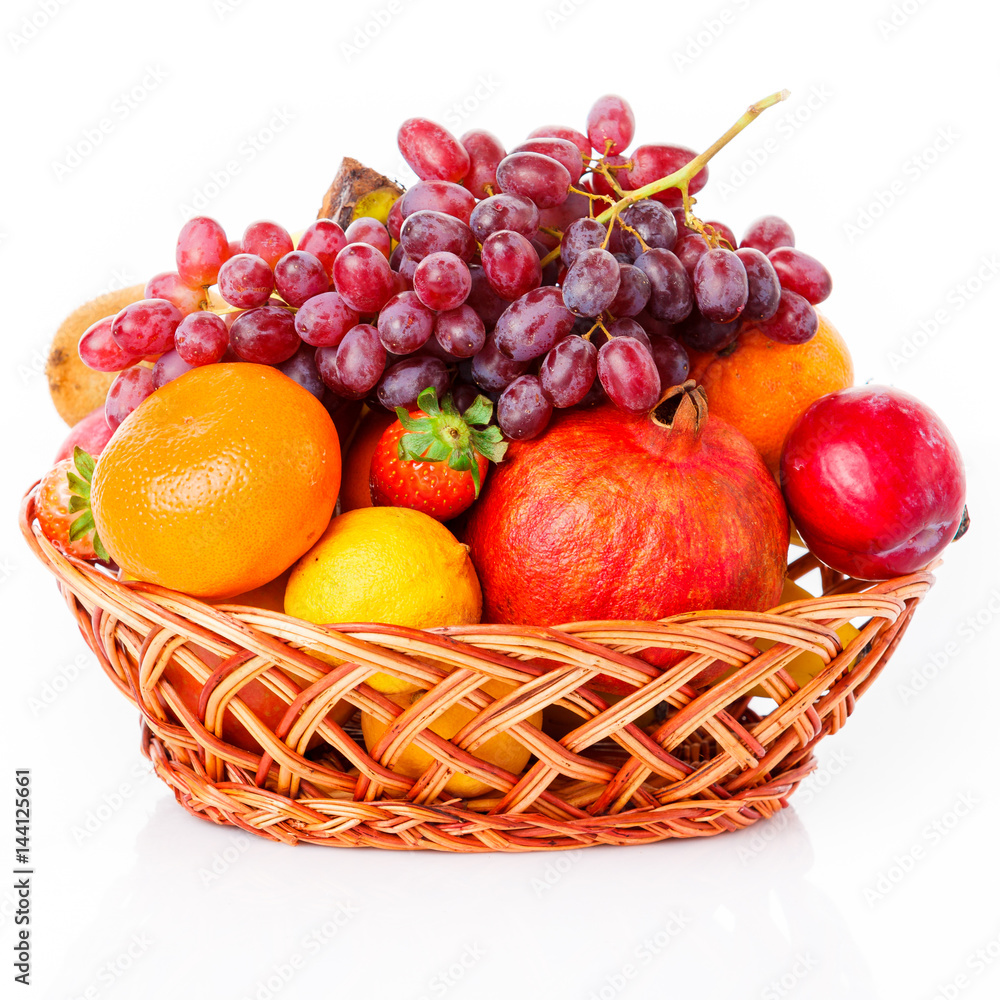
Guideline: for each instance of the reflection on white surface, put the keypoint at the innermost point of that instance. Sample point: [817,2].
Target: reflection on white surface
[598,922]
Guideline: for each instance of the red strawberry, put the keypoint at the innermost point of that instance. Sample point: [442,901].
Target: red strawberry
[434,459]
[62,507]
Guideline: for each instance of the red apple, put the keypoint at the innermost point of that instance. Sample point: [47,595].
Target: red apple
[92,433]
[873,481]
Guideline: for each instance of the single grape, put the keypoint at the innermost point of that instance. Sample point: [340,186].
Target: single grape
[485,153]
[523,410]
[168,367]
[768,232]
[405,266]
[562,150]
[651,162]
[568,371]
[431,151]
[583,234]
[100,351]
[128,390]
[436,196]
[246,281]
[299,275]
[442,281]
[628,327]
[795,321]
[576,137]
[168,285]
[406,379]
[325,360]
[511,264]
[534,323]
[689,250]
[671,360]
[324,319]
[146,327]
[301,368]
[201,339]
[368,230]
[464,395]
[702,334]
[394,220]
[323,239]
[264,336]
[798,272]
[536,176]
[633,291]
[483,299]
[628,374]
[504,211]
[610,125]
[426,232]
[653,222]
[671,297]
[360,361]
[202,248]
[460,332]
[405,324]
[720,285]
[493,371]
[267,240]
[591,283]
[362,276]
[763,288]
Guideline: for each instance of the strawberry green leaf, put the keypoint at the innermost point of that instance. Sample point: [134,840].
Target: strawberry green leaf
[479,412]
[81,525]
[79,502]
[78,487]
[84,463]
[428,402]
[99,550]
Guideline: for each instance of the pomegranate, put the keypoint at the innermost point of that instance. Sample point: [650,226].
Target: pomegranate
[609,516]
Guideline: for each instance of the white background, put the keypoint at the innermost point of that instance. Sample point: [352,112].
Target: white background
[881,880]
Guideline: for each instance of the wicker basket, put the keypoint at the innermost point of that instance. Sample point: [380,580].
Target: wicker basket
[712,760]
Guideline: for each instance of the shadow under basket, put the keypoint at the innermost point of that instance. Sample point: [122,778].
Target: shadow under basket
[693,750]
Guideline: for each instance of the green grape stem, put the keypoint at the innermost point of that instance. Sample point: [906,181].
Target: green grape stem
[682,178]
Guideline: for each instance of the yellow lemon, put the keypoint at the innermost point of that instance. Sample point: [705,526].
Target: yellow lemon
[503,750]
[386,564]
[806,665]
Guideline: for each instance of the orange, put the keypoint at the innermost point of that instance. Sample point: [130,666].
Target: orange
[763,386]
[354,491]
[218,482]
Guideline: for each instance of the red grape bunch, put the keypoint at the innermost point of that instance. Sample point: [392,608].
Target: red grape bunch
[551,275]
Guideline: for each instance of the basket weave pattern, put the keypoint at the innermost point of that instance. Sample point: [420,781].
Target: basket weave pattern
[708,763]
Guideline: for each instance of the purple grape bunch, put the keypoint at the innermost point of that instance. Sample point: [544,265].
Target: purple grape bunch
[538,277]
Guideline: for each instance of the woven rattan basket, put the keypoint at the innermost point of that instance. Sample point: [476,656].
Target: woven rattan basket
[712,760]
